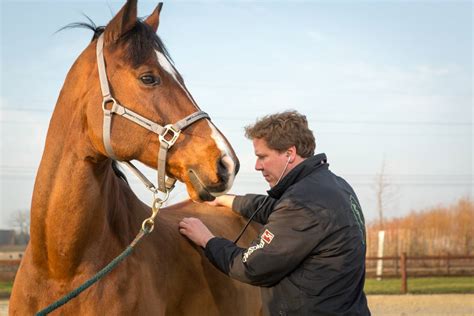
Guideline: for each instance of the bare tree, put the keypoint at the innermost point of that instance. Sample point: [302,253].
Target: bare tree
[385,192]
[20,221]
[381,186]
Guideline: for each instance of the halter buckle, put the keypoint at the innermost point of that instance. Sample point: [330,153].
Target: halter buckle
[169,135]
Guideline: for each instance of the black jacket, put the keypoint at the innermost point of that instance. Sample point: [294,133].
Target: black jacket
[310,256]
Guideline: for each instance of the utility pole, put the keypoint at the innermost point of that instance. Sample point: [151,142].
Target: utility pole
[381,186]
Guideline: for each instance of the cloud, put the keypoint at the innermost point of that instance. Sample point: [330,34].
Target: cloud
[23,136]
[315,36]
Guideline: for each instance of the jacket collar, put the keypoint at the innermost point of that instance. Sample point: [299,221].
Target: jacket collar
[297,173]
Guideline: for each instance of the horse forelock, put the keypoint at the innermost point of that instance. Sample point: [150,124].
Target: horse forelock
[141,41]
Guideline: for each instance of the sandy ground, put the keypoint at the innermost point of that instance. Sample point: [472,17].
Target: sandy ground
[3,307]
[420,305]
[400,305]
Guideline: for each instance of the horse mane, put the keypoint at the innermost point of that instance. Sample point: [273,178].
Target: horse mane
[141,40]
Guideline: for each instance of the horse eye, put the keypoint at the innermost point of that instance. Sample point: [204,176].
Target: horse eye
[150,80]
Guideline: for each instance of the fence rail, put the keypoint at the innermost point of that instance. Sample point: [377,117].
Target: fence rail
[8,269]
[393,266]
[448,265]
[9,263]
[403,266]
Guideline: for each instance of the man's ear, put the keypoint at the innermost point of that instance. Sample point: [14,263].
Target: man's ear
[291,153]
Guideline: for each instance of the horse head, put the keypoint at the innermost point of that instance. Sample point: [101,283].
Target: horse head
[143,98]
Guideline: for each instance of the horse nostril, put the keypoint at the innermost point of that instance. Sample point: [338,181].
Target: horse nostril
[222,170]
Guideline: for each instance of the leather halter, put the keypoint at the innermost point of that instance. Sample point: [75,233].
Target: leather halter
[167,134]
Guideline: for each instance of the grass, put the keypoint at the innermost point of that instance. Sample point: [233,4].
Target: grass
[6,287]
[435,285]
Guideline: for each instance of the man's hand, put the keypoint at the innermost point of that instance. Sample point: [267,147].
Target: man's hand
[195,230]
[223,200]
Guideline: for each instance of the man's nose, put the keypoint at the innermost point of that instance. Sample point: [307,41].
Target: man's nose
[258,166]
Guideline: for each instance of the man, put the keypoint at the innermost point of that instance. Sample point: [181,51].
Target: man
[310,256]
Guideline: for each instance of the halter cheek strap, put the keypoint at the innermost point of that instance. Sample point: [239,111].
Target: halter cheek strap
[167,135]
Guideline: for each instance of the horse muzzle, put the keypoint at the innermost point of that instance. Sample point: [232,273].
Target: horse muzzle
[226,171]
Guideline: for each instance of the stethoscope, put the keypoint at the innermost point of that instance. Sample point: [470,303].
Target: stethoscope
[266,198]
[261,204]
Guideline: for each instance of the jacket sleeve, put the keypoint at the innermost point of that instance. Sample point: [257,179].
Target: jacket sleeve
[247,204]
[290,235]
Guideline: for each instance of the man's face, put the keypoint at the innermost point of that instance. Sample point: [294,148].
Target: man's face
[269,161]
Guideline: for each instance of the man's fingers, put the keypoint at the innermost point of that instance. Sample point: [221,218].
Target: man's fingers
[185,221]
[187,224]
[195,230]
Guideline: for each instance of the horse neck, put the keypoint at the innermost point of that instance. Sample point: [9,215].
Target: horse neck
[75,196]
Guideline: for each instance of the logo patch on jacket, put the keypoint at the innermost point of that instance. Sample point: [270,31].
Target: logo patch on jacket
[267,236]
[252,249]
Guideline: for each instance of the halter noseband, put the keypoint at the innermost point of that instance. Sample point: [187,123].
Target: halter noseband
[167,135]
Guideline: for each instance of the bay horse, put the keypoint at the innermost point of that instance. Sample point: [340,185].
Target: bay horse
[83,213]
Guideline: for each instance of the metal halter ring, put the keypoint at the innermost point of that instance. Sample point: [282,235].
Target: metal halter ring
[157,200]
[157,204]
[108,100]
[169,131]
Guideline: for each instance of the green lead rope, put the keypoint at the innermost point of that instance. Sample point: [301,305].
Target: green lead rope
[112,265]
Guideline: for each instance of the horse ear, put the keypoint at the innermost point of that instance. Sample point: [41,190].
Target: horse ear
[123,21]
[154,19]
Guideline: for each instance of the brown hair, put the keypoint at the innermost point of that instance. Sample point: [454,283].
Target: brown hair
[283,130]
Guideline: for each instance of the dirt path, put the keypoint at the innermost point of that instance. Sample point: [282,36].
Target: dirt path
[3,307]
[420,305]
[400,305]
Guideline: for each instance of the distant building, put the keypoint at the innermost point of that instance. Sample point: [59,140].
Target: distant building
[7,237]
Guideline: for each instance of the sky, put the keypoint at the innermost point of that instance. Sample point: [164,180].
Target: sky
[385,85]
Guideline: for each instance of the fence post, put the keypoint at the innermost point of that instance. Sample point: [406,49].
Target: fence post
[380,251]
[447,264]
[396,265]
[403,268]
